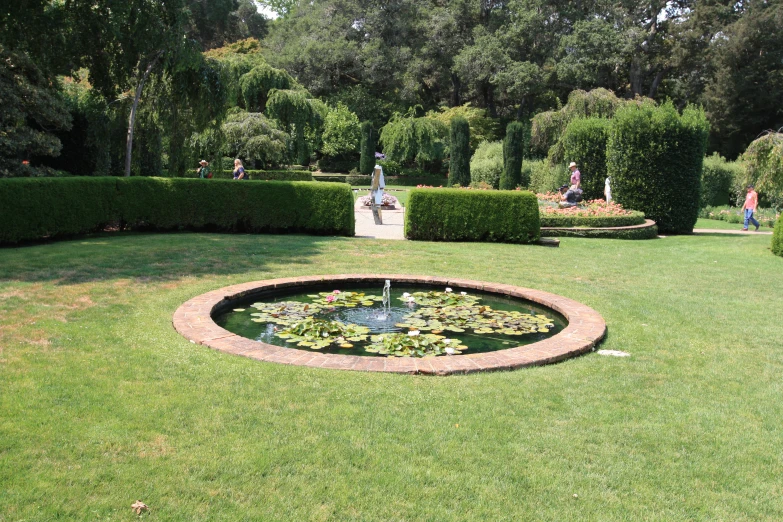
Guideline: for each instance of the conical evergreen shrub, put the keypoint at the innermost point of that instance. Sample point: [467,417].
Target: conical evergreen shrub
[459,166]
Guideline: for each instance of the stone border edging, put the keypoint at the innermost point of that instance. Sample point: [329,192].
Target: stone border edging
[585,329]
[603,232]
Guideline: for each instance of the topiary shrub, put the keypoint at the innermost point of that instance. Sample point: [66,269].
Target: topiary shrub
[468,215]
[513,153]
[764,161]
[486,165]
[777,239]
[654,158]
[718,179]
[459,144]
[584,142]
[44,208]
[367,149]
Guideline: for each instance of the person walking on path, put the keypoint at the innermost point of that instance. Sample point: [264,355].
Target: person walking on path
[239,170]
[751,202]
[576,176]
[204,172]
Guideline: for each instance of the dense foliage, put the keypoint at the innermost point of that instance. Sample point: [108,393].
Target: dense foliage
[764,167]
[584,142]
[513,153]
[777,239]
[416,141]
[654,159]
[543,176]
[459,148]
[720,179]
[486,165]
[47,208]
[470,215]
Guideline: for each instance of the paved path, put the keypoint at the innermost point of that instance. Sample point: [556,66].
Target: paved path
[392,227]
[728,231]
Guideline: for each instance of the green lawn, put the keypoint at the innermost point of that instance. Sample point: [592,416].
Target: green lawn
[102,403]
[725,225]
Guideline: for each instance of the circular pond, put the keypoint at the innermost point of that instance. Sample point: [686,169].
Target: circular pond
[418,325]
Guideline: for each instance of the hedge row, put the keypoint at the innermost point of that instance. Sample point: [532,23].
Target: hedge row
[364,181]
[561,220]
[654,158]
[719,180]
[584,142]
[650,232]
[41,208]
[463,215]
[777,239]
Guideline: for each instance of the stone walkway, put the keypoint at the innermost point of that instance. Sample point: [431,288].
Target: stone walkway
[728,231]
[392,228]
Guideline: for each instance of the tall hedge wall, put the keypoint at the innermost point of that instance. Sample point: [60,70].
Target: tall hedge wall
[40,208]
[777,239]
[654,157]
[584,142]
[367,149]
[466,215]
[718,178]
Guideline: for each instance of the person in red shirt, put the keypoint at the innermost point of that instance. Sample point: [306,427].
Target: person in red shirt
[751,203]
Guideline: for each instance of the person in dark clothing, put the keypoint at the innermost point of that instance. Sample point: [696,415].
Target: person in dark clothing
[569,197]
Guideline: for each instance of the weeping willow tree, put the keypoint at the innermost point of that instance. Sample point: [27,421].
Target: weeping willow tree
[764,166]
[301,116]
[256,85]
[548,127]
[407,139]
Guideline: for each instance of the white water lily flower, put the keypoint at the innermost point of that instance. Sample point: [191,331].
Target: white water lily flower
[448,289]
[326,334]
[411,299]
[464,293]
[414,333]
[450,351]
[446,341]
[406,294]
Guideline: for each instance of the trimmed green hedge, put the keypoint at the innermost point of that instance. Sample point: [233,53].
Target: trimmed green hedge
[561,220]
[718,180]
[466,215]
[584,142]
[654,157]
[777,239]
[42,208]
[650,232]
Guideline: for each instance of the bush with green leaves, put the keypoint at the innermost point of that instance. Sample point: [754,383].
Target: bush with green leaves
[545,177]
[256,84]
[459,164]
[45,208]
[486,166]
[367,150]
[253,136]
[584,142]
[719,179]
[482,127]
[415,141]
[777,239]
[341,132]
[513,153]
[472,215]
[654,158]
[764,167]
[548,127]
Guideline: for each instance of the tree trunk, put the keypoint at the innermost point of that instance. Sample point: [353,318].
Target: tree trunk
[656,83]
[456,85]
[132,117]
[636,76]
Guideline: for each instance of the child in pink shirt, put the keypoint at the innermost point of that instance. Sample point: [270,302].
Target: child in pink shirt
[751,202]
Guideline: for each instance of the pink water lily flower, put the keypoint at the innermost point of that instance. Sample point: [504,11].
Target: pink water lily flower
[330,298]
[336,292]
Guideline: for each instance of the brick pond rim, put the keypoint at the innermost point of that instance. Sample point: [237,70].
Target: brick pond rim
[585,329]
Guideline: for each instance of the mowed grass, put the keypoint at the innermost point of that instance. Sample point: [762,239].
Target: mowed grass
[103,403]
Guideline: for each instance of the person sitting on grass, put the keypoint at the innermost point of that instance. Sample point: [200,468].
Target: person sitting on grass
[569,197]
[751,203]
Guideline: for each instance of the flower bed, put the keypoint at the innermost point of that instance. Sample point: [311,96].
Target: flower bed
[595,213]
[767,217]
[386,201]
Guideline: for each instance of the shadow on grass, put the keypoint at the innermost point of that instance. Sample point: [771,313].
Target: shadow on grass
[155,256]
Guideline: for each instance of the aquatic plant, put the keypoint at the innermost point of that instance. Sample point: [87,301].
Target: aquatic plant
[414,344]
[317,333]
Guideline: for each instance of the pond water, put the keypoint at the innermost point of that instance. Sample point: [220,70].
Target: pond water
[470,321]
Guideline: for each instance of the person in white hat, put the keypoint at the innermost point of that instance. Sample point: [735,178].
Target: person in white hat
[576,176]
[204,171]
